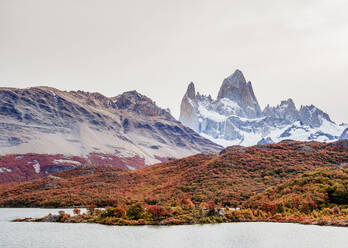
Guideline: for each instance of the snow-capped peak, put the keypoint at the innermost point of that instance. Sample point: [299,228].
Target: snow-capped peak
[235,118]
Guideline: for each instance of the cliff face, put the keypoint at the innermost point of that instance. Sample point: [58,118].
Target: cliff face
[235,117]
[44,120]
[236,89]
[187,108]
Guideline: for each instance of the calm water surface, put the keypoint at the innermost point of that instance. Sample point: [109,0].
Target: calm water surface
[237,235]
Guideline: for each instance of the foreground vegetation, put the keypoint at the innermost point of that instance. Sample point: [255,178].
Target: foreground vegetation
[319,197]
[302,182]
[228,179]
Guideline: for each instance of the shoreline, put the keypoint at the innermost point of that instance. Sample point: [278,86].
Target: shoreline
[57,219]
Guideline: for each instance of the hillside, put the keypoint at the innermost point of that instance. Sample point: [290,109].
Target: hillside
[128,131]
[318,190]
[229,178]
[319,197]
[24,167]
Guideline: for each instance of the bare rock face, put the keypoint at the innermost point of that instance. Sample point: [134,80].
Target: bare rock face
[235,118]
[187,108]
[236,89]
[191,92]
[312,116]
[286,110]
[134,102]
[128,131]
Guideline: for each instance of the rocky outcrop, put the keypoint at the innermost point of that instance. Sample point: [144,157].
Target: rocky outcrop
[187,108]
[312,116]
[236,89]
[265,141]
[132,101]
[235,118]
[285,111]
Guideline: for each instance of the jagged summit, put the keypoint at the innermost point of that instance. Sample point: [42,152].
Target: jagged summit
[231,84]
[191,92]
[285,110]
[236,97]
[312,116]
[235,117]
[236,89]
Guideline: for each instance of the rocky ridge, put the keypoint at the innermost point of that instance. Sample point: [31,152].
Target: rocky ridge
[117,130]
[235,117]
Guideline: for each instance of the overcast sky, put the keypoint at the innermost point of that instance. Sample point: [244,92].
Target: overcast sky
[288,49]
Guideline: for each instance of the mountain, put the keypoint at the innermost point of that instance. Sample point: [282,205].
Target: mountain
[235,117]
[44,129]
[229,178]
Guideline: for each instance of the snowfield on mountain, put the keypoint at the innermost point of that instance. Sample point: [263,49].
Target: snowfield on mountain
[235,117]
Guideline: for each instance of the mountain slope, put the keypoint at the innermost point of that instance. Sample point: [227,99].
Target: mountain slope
[229,178]
[43,120]
[235,117]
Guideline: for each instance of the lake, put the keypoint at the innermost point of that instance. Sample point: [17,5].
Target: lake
[238,235]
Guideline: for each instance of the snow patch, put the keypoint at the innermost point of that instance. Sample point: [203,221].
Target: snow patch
[37,167]
[5,170]
[212,115]
[330,128]
[130,167]
[221,142]
[229,104]
[58,161]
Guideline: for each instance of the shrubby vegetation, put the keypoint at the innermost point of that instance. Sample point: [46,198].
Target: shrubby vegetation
[315,197]
[303,182]
[312,198]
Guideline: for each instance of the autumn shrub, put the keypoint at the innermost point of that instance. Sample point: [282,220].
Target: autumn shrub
[135,212]
[63,216]
[51,204]
[174,221]
[109,221]
[211,205]
[336,210]
[176,210]
[247,214]
[280,207]
[117,212]
[235,215]
[187,203]
[206,220]
[76,211]
[151,201]
[338,194]
[90,210]
[157,212]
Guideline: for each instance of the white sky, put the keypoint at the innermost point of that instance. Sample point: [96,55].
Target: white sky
[288,48]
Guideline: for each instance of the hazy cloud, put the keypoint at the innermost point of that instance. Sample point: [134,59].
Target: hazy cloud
[294,48]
